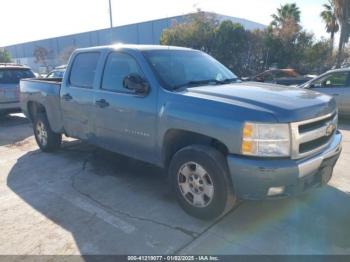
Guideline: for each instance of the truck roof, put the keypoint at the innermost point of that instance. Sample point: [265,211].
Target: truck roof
[133,47]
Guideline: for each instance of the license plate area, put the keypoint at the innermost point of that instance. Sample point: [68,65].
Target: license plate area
[9,94]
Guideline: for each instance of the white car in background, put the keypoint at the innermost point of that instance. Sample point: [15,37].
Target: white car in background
[10,75]
[58,72]
[335,83]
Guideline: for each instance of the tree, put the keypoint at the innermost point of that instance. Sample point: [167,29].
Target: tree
[226,41]
[285,14]
[65,54]
[197,32]
[250,52]
[231,45]
[330,19]
[342,11]
[5,56]
[41,55]
[283,34]
[316,58]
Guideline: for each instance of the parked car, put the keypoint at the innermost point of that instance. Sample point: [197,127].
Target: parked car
[10,75]
[178,108]
[58,72]
[335,83]
[287,77]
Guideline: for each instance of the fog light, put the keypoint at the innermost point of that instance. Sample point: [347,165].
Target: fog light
[273,191]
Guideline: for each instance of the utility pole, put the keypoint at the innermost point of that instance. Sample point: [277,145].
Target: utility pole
[110,13]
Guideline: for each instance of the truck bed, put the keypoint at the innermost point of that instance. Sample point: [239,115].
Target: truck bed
[43,91]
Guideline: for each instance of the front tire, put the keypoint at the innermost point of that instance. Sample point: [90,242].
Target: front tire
[47,140]
[200,180]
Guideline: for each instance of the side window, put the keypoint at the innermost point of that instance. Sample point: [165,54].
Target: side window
[118,66]
[269,76]
[286,73]
[280,74]
[84,69]
[333,80]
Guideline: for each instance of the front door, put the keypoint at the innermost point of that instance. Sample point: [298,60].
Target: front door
[125,121]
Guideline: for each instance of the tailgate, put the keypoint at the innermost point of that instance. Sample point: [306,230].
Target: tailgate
[9,93]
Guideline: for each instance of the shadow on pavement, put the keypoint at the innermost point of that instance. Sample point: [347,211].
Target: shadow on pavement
[115,205]
[12,120]
[110,204]
[14,128]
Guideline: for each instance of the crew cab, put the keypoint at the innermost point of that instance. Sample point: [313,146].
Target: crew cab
[180,109]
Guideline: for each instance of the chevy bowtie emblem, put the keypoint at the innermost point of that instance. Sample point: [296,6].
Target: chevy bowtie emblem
[330,129]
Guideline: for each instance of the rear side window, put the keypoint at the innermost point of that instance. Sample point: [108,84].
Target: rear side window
[14,75]
[267,76]
[338,79]
[287,73]
[84,70]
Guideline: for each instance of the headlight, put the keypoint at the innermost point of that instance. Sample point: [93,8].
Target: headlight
[267,140]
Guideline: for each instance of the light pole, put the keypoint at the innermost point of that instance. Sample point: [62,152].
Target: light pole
[110,13]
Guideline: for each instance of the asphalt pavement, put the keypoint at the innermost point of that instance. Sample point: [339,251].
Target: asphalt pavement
[85,200]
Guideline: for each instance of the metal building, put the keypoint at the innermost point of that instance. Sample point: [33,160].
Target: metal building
[59,48]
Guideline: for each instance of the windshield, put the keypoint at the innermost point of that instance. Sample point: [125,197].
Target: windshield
[56,74]
[14,75]
[178,68]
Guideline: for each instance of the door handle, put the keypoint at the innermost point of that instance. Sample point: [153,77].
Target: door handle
[67,97]
[102,103]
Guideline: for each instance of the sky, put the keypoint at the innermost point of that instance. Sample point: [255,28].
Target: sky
[29,20]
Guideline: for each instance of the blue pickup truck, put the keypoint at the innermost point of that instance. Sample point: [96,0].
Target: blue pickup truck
[180,109]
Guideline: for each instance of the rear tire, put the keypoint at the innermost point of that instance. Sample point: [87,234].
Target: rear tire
[200,180]
[47,140]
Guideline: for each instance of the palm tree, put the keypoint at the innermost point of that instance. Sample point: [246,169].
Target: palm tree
[286,13]
[330,19]
[342,11]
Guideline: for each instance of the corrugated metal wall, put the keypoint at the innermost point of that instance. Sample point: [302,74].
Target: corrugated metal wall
[140,33]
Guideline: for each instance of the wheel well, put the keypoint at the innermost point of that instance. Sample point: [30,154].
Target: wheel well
[34,108]
[176,139]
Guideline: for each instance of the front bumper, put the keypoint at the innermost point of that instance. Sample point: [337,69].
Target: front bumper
[256,178]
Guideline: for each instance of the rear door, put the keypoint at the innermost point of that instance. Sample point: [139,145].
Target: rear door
[77,95]
[336,84]
[9,83]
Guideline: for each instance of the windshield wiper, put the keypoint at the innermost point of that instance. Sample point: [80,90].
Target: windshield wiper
[229,80]
[206,82]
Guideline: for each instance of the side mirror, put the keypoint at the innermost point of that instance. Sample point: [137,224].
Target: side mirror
[136,83]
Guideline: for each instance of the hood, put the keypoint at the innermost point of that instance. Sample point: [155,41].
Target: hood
[286,104]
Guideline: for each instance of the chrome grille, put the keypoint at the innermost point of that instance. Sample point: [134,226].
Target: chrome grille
[311,136]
